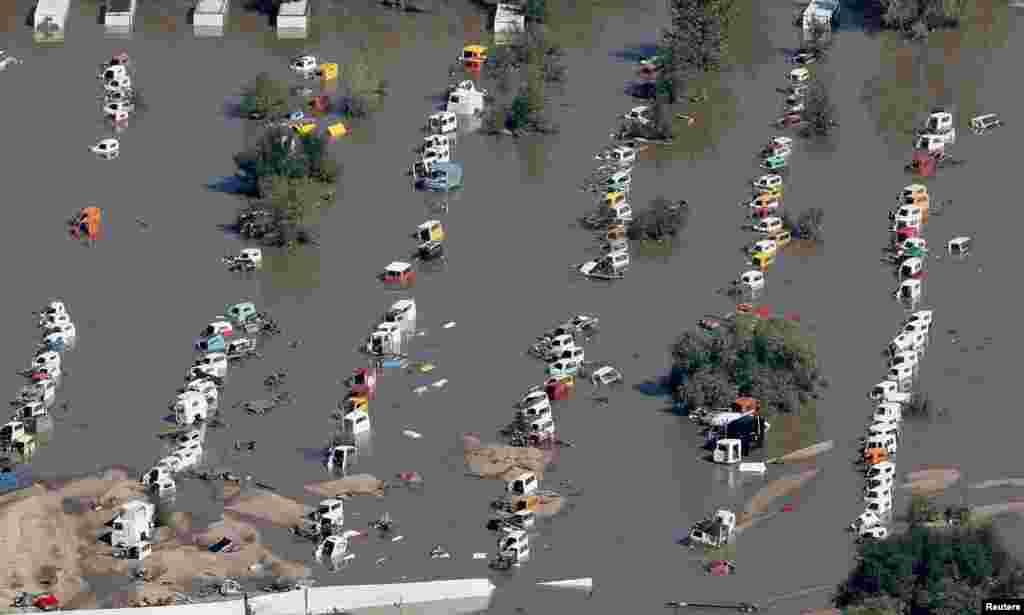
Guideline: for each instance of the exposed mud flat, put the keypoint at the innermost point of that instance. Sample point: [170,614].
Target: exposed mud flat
[266,507]
[359,484]
[763,499]
[931,481]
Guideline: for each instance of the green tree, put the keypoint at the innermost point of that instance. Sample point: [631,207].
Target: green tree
[363,89]
[279,153]
[695,42]
[264,96]
[819,112]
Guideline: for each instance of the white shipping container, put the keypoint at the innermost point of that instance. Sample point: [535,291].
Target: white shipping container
[52,13]
[210,17]
[120,14]
[293,15]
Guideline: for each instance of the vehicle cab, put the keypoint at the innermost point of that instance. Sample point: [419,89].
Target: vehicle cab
[622,155]
[474,56]
[523,484]
[541,429]
[303,64]
[764,246]
[769,225]
[752,280]
[431,230]
[762,260]
[959,246]
[909,290]
[442,122]
[399,273]
[514,547]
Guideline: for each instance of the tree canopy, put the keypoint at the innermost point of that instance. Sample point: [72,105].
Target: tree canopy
[695,42]
[771,359]
[264,96]
[929,571]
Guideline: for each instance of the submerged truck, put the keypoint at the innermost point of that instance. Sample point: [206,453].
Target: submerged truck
[737,438]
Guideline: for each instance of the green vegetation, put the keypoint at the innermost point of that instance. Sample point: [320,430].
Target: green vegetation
[263,97]
[661,220]
[523,69]
[771,359]
[931,570]
[918,17]
[808,225]
[820,114]
[292,178]
[363,91]
[696,42]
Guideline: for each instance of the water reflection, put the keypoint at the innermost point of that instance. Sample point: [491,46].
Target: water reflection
[713,118]
[913,77]
[290,273]
[533,154]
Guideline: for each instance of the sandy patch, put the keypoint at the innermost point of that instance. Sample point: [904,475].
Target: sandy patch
[762,500]
[546,505]
[42,547]
[268,507]
[358,484]
[506,462]
[45,548]
[931,481]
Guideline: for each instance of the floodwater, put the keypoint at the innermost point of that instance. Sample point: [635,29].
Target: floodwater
[140,296]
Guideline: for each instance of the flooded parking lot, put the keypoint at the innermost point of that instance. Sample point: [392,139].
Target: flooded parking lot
[142,294]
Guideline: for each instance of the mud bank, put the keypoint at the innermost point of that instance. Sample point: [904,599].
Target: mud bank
[50,540]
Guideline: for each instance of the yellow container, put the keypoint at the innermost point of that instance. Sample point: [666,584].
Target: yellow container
[328,71]
[337,130]
[304,129]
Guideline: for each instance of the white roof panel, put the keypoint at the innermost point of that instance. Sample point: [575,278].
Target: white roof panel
[212,6]
[293,9]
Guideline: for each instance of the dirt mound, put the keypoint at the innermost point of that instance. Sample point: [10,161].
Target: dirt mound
[267,507]
[545,505]
[49,542]
[359,484]
[505,462]
[43,546]
[762,500]
[931,481]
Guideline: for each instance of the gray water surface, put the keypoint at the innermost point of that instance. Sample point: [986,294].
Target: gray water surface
[139,296]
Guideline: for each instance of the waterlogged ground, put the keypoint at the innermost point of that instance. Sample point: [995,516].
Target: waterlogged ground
[140,296]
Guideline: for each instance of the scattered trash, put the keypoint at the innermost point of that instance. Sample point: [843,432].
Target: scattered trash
[420,390]
[587,583]
[426,367]
[439,552]
[440,383]
[397,538]
[412,434]
[479,555]
[449,325]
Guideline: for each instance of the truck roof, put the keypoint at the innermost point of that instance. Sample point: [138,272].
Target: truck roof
[293,9]
[121,6]
[53,7]
[212,6]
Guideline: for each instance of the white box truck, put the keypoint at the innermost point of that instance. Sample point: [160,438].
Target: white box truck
[210,17]
[120,14]
[50,19]
[293,18]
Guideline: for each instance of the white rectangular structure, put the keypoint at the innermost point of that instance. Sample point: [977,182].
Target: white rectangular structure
[293,15]
[510,17]
[119,17]
[823,12]
[49,19]
[210,17]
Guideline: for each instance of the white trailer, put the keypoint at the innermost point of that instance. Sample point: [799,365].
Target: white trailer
[509,19]
[120,14]
[133,524]
[50,18]
[210,17]
[293,18]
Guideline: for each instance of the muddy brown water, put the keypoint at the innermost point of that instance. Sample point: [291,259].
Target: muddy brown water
[140,296]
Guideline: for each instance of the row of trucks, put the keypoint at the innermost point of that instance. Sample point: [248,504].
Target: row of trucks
[885,430]
[561,347]
[31,405]
[220,344]
[513,516]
